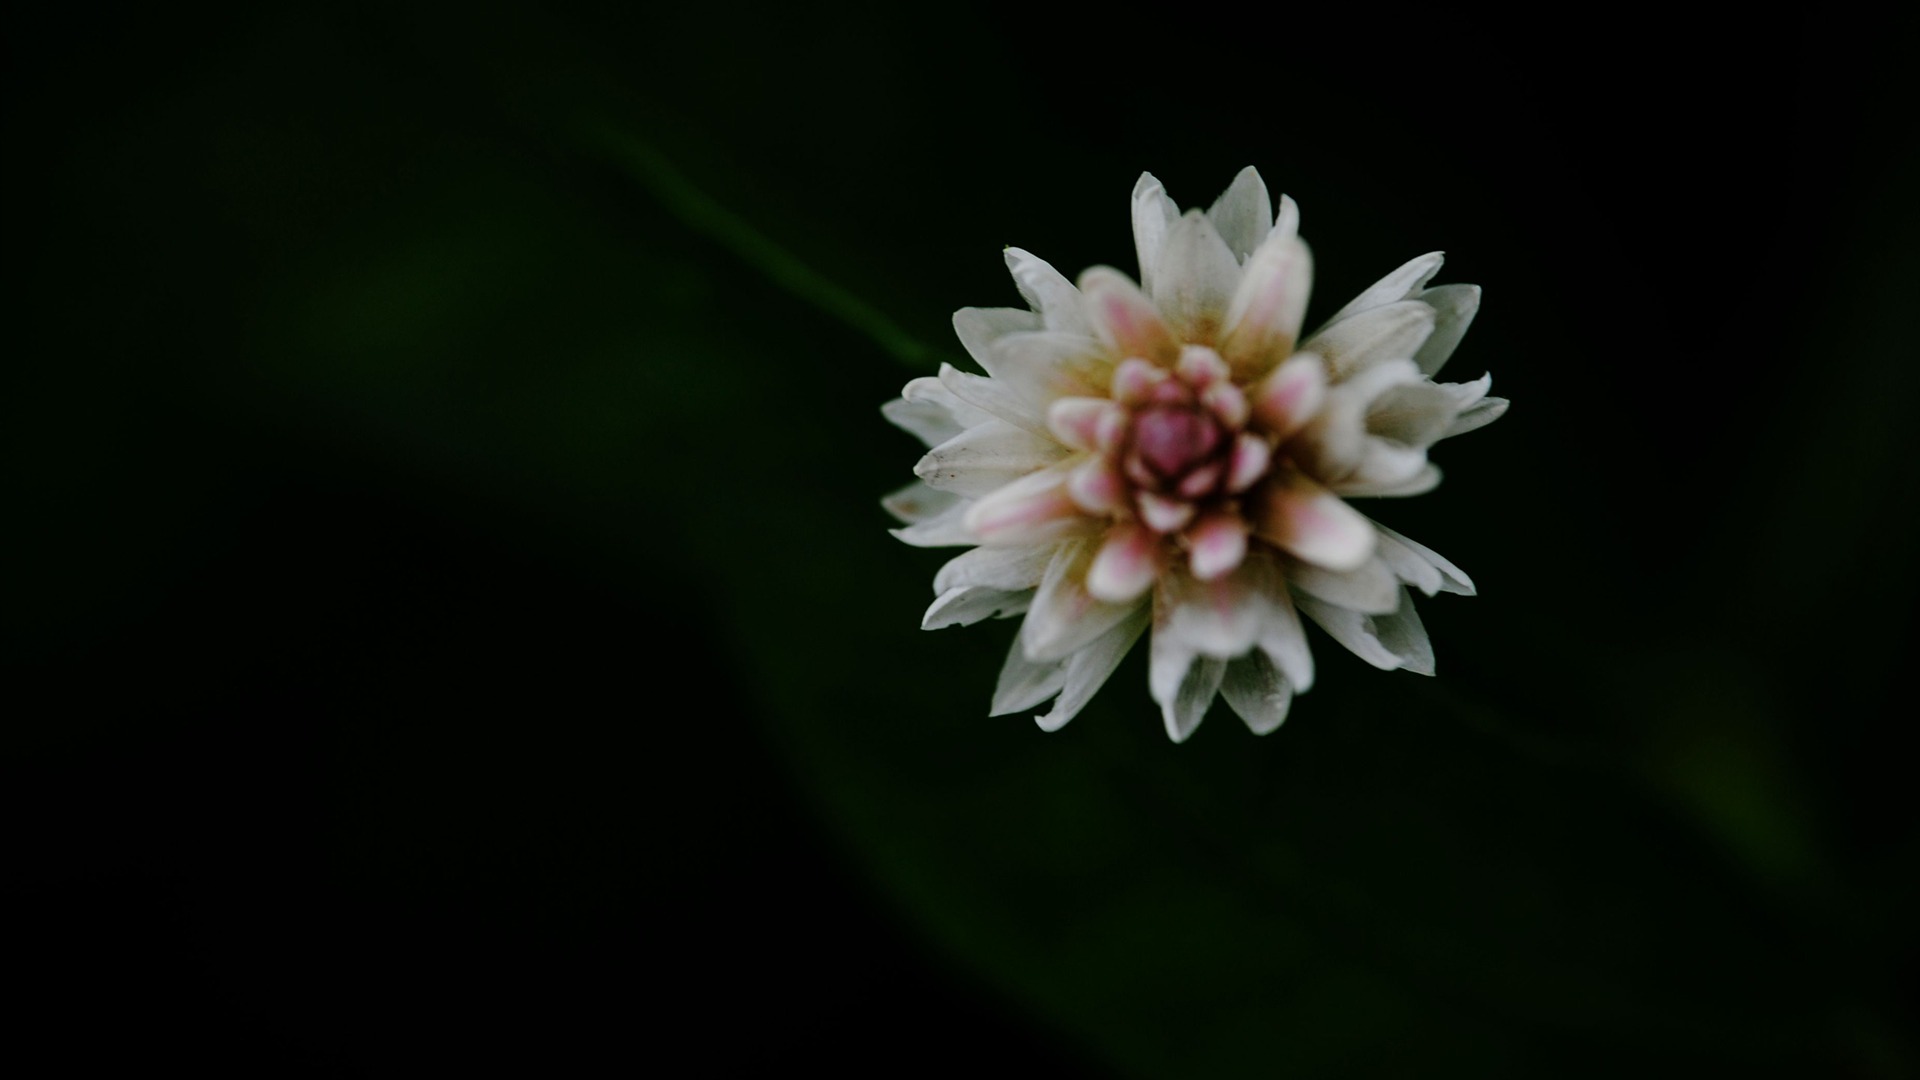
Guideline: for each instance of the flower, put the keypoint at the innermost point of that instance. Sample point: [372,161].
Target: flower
[1165,455]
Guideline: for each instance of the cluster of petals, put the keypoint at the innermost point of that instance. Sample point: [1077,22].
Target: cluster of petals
[1171,456]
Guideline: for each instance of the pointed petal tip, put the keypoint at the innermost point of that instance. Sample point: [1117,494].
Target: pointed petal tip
[1078,421]
[1256,689]
[1291,394]
[1219,545]
[1064,617]
[1058,717]
[1134,380]
[1483,412]
[967,605]
[1096,488]
[1398,285]
[1125,566]
[945,533]
[1030,509]
[1251,456]
[1187,708]
[1317,526]
[1164,514]
[1195,279]
[1100,275]
[1124,317]
[1264,314]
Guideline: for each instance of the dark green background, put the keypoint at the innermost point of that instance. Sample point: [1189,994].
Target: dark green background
[450,621]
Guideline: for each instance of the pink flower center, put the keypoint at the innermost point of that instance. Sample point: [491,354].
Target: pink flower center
[1171,454]
[1174,440]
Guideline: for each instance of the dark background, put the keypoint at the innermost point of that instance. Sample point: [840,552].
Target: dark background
[450,623]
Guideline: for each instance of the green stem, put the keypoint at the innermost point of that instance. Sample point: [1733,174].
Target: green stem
[693,207]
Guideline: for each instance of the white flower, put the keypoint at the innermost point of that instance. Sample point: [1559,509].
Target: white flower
[1165,455]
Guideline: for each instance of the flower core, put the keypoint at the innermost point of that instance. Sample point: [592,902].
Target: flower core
[1173,452]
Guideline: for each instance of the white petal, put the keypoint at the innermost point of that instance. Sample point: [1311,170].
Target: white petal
[1163,514]
[1126,566]
[1182,682]
[1397,286]
[1196,279]
[1219,543]
[1065,617]
[1201,366]
[984,459]
[1377,379]
[1392,332]
[1135,381]
[1082,422]
[1395,640]
[979,328]
[932,388]
[1097,487]
[1421,566]
[945,529]
[1153,216]
[1263,318]
[1248,465]
[1311,523]
[1290,395]
[1284,640]
[1219,618]
[930,411]
[1226,402]
[1414,414]
[1090,668]
[1287,221]
[1454,307]
[1168,659]
[1482,414]
[969,605]
[1385,465]
[918,502]
[1349,628]
[1196,694]
[1045,365]
[1281,636]
[996,399]
[1033,509]
[1243,214]
[931,424]
[1419,483]
[1010,568]
[1125,318]
[1025,683]
[1406,635]
[1334,442]
[1468,394]
[1372,589]
[1257,691]
[1407,565]
[1048,291]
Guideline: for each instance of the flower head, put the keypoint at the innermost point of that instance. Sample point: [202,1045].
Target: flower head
[1172,455]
